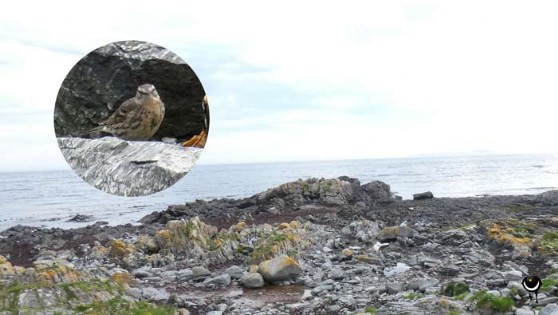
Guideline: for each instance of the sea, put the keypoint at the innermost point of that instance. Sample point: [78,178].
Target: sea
[51,198]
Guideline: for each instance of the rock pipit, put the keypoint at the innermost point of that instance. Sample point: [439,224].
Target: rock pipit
[138,118]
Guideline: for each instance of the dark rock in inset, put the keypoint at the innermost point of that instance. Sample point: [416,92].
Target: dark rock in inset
[423,196]
[98,84]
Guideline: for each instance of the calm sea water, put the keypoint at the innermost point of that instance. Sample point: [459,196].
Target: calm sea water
[51,198]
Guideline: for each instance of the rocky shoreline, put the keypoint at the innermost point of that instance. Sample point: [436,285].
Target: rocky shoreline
[318,246]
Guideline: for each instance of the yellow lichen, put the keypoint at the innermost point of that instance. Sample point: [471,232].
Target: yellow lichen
[505,234]
[119,249]
[240,226]
[218,243]
[122,278]
[284,225]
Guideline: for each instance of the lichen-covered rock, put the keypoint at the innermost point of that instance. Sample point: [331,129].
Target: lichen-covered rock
[109,75]
[391,233]
[6,267]
[128,168]
[279,269]
[119,249]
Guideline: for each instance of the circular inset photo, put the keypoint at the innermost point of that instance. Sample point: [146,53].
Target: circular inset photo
[131,118]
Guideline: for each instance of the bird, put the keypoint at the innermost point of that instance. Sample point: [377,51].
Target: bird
[532,284]
[199,140]
[137,119]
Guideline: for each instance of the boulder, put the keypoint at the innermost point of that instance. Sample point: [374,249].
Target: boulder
[103,79]
[128,168]
[423,196]
[279,269]
[252,280]
[376,190]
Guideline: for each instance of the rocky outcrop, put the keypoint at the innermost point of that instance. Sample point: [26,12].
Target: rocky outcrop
[109,75]
[290,199]
[128,168]
[340,191]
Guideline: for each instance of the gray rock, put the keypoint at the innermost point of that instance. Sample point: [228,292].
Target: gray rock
[155,294]
[423,196]
[252,280]
[398,269]
[518,286]
[548,198]
[129,163]
[394,287]
[513,275]
[322,288]
[143,272]
[546,301]
[524,311]
[184,274]
[199,272]
[235,272]
[221,280]
[109,75]
[494,292]
[376,190]
[549,309]
[449,270]
[427,283]
[336,274]
[452,237]
[333,308]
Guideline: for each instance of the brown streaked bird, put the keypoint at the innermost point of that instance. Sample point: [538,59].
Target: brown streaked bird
[138,118]
[199,140]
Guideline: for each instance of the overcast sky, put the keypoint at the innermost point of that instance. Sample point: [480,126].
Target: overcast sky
[303,81]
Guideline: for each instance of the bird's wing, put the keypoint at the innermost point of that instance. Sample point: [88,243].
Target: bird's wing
[121,113]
